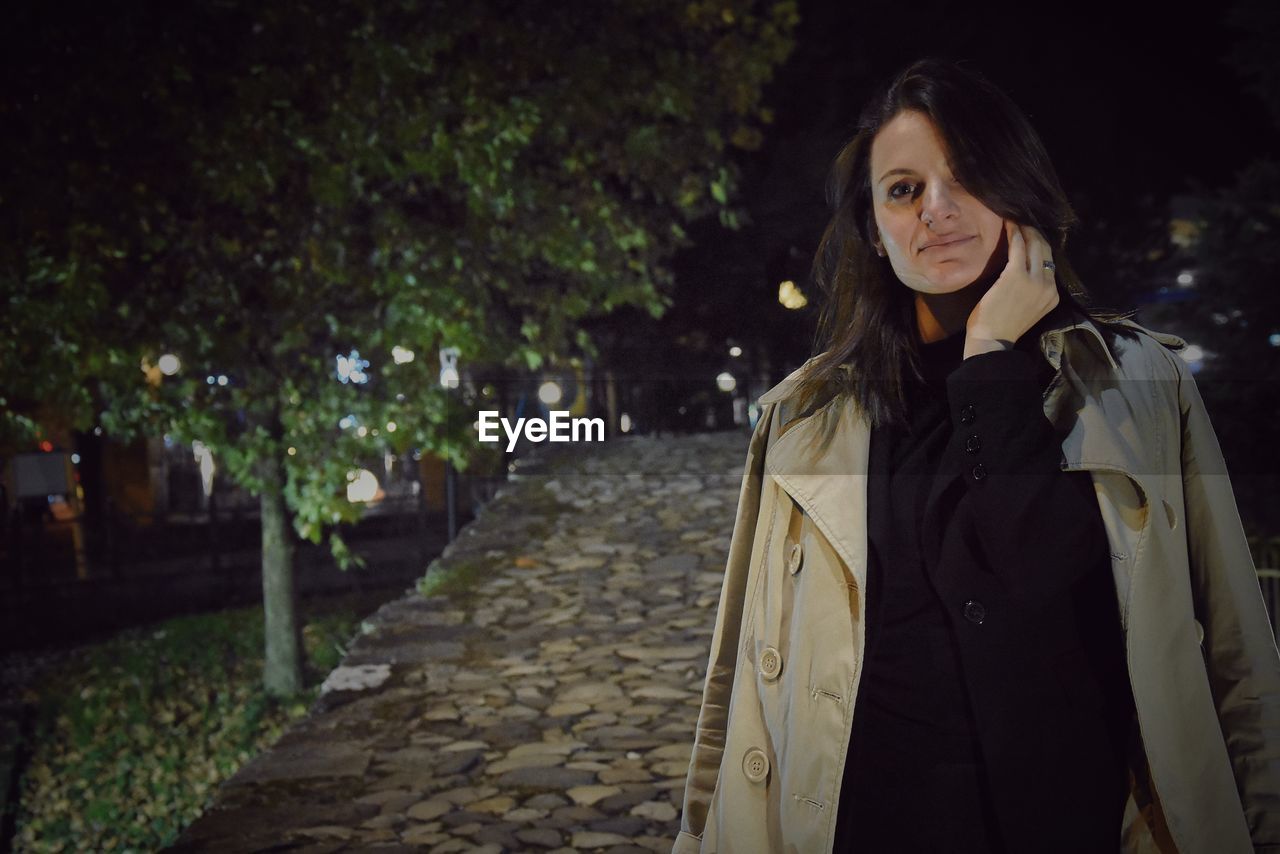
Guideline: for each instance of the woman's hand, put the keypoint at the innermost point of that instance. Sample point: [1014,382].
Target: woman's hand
[1024,293]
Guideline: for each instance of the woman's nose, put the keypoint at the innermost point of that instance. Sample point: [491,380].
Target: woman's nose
[937,202]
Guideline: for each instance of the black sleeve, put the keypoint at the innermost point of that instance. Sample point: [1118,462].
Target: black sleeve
[1039,527]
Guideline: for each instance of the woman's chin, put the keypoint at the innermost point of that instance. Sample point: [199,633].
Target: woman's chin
[951,283]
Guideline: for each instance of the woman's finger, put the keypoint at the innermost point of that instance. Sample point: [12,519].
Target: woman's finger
[1035,252]
[1047,256]
[1017,247]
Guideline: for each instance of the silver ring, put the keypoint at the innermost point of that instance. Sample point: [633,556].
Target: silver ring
[1049,265]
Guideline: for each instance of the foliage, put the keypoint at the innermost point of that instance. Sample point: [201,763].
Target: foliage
[1236,315]
[261,189]
[36,351]
[1123,251]
[133,739]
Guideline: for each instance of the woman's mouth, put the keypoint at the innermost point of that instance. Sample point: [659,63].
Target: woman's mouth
[957,242]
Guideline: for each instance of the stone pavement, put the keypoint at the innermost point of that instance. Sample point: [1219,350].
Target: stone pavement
[547,703]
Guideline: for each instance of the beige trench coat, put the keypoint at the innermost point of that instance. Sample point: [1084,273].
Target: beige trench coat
[786,650]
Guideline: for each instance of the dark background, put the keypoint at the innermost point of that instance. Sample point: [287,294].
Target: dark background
[1137,104]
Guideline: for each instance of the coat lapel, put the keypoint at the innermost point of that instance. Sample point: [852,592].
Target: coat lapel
[828,478]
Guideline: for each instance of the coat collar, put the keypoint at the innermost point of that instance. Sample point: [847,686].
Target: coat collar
[1053,336]
[823,465]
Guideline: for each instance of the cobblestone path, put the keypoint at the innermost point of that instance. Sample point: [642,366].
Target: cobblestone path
[548,703]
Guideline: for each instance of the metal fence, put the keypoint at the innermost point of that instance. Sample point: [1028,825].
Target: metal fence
[36,549]
[53,589]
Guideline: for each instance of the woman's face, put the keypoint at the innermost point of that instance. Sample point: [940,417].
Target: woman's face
[938,237]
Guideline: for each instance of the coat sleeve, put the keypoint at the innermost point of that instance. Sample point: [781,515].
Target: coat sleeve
[709,740]
[1240,649]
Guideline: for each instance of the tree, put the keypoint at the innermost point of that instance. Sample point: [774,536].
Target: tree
[260,191]
[1235,316]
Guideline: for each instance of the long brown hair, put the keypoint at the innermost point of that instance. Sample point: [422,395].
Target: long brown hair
[865,340]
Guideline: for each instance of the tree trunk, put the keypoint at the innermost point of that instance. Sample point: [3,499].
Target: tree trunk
[282,671]
[612,415]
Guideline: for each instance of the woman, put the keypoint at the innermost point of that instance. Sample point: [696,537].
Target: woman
[988,588]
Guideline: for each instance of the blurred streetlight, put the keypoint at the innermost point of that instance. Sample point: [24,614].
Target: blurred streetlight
[550,392]
[790,296]
[169,364]
[1194,355]
[725,382]
[362,486]
[350,368]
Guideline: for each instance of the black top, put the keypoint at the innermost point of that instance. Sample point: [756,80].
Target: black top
[914,742]
[911,683]
[915,777]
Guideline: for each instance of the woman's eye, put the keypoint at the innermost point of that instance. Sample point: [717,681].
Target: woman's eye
[893,191]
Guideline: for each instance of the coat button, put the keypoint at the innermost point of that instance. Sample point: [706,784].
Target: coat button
[770,663]
[973,444]
[967,414]
[793,560]
[974,612]
[979,472]
[755,764]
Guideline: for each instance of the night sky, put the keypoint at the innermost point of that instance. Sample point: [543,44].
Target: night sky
[1132,100]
